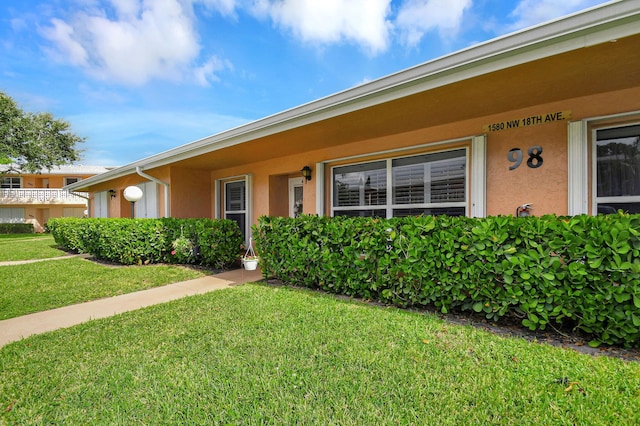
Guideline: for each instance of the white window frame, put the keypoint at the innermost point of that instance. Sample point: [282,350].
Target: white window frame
[294,183]
[220,202]
[581,142]
[389,207]
[11,185]
[594,170]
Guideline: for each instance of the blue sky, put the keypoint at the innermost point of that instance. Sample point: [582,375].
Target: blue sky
[138,77]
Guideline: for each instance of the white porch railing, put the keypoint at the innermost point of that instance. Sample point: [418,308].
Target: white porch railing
[40,195]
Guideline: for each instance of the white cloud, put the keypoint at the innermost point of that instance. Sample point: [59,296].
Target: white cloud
[417,17]
[224,7]
[363,22]
[141,41]
[64,37]
[532,12]
[207,72]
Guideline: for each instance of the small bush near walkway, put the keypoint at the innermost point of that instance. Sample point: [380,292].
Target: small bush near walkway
[206,242]
[579,272]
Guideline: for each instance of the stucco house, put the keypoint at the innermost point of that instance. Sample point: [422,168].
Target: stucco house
[37,197]
[549,115]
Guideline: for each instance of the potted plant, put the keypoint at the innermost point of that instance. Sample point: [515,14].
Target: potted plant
[250,260]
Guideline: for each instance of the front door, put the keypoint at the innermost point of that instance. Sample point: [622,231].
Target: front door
[296,186]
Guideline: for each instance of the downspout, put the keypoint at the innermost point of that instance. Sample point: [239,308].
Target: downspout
[86,198]
[167,213]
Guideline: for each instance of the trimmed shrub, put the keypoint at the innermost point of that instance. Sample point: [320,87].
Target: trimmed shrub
[206,242]
[581,272]
[16,228]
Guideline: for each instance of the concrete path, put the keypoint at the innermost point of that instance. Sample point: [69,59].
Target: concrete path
[46,259]
[18,328]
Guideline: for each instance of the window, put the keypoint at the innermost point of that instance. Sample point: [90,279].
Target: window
[235,203]
[73,212]
[430,184]
[359,189]
[618,169]
[11,215]
[11,182]
[70,180]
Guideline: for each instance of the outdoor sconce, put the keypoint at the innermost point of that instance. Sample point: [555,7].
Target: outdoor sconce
[306,172]
[112,193]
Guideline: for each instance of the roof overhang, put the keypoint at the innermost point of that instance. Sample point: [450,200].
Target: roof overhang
[606,23]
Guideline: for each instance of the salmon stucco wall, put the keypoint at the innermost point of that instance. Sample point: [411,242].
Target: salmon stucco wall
[191,193]
[279,195]
[541,176]
[270,183]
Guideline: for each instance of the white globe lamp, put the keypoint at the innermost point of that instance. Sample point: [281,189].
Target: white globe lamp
[132,194]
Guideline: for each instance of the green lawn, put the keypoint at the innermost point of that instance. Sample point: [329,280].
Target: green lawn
[270,355]
[28,246]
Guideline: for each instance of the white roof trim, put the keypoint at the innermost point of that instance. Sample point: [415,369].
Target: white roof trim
[600,24]
[65,169]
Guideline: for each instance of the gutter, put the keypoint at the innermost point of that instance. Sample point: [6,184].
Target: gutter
[78,195]
[156,180]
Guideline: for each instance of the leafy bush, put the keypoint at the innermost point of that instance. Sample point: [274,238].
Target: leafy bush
[16,228]
[581,272]
[213,243]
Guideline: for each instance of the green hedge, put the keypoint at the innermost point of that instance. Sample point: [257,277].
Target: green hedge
[16,228]
[579,272]
[212,243]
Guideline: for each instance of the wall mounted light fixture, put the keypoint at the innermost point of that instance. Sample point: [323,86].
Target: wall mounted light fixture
[306,172]
[112,193]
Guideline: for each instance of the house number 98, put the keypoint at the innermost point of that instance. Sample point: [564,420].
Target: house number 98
[534,161]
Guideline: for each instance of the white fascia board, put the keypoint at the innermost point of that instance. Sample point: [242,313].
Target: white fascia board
[600,24]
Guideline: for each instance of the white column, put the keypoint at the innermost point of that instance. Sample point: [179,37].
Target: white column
[320,195]
[577,156]
[479,176]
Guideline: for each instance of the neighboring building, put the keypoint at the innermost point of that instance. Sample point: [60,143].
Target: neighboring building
[35,198]
[549,115]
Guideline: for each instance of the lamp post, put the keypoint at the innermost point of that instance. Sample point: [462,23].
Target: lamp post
[132,194]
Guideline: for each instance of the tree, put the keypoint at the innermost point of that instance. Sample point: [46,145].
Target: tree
[33,142]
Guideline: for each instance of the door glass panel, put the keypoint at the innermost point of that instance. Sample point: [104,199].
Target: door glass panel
[235,204]
[297,201]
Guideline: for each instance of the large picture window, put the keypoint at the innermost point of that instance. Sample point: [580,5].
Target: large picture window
[429,184]
[617,154]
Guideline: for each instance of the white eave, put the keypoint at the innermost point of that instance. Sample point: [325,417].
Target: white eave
[600,24]
[66,170]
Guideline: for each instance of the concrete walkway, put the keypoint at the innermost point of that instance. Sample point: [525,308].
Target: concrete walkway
[18,328]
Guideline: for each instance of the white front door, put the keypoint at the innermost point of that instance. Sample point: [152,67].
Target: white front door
[296,186]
